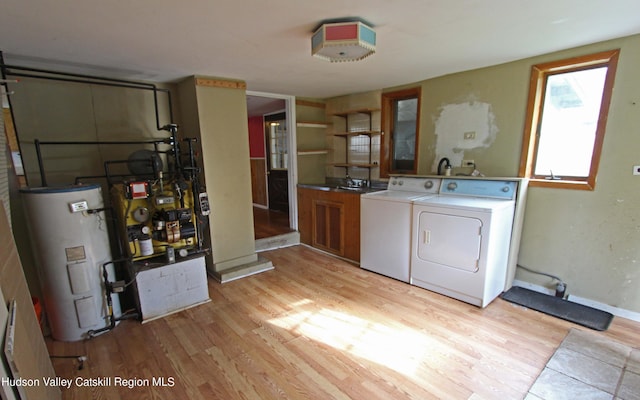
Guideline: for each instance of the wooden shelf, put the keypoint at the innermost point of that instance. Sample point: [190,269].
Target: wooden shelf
[352,165]
[312,152]
[357,130]
[357,133]
[357,111]
[312,124]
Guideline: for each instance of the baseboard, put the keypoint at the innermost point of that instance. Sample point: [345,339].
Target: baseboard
[331,254]
[618,312]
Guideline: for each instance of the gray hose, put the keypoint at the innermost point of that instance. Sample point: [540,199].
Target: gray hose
[561,287]
[539,273]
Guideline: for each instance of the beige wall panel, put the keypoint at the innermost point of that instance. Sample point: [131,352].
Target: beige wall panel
[223,124]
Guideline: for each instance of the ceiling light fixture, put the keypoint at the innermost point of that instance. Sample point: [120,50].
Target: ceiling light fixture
[343,41]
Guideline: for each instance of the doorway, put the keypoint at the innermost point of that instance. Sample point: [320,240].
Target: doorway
[273,167]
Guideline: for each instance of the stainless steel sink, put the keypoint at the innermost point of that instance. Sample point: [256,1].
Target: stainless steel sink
[354,189]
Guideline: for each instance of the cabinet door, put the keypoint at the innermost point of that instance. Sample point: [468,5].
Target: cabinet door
[328,226]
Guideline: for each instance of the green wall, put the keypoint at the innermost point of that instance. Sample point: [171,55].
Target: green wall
[591,239]
[501,94]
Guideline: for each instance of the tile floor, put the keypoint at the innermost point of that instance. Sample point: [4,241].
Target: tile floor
[587,366]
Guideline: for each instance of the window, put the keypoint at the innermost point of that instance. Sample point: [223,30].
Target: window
[277,141]
[400,122]
[566,119]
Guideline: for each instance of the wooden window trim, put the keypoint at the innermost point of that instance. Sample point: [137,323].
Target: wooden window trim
[386,120]
[535,103]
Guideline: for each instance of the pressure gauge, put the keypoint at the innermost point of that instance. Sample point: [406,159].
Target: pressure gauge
[141,214]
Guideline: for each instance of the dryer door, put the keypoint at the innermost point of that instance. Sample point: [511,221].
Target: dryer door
[449,240]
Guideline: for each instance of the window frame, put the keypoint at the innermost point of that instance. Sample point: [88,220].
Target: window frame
[535,104]
[386,122]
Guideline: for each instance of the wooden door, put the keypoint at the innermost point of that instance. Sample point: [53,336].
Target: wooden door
[277,162]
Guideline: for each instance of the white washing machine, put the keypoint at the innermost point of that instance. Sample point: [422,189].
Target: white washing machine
[385,225]
[462,239]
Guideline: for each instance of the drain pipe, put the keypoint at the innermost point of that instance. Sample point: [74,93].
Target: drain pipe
[111,288]
[561,287]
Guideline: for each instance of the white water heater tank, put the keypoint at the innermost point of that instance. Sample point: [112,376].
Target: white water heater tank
[70,243]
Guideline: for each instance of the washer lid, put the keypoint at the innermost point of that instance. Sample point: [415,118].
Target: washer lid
[465,203]
[393,195]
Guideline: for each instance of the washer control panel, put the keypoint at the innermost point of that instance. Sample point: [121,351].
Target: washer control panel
[414,184]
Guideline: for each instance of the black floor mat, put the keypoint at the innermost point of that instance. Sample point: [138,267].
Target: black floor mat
[558,307]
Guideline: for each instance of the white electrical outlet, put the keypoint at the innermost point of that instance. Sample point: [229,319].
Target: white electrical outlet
[469,135]
[468,163]
[636,169]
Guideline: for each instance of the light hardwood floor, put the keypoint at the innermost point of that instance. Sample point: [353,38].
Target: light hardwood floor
[318,327]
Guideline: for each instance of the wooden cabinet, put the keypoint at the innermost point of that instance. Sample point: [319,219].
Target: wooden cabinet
[330,221]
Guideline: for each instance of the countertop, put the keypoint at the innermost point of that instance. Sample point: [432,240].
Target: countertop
[339,188]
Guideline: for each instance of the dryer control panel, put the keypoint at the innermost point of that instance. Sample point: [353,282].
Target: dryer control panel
[479,188]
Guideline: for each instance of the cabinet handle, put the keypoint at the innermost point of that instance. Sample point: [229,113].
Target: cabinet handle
[427,237]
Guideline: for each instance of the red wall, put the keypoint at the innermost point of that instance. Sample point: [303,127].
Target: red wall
[256,137]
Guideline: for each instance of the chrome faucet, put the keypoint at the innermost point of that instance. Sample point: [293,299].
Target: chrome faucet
[350,182]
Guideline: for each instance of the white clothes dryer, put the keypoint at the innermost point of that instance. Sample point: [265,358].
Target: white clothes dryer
[461,239]
[385,225]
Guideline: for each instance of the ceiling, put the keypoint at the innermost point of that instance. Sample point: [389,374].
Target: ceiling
[260,105]
[268,43]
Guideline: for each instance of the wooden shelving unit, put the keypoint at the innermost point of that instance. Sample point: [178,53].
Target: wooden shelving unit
[312,148]
[349,132]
